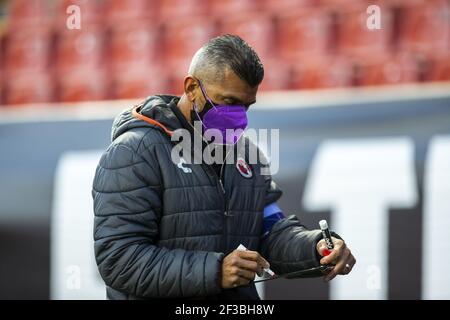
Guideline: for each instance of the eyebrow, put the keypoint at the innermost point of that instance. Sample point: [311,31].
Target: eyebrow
[239,101]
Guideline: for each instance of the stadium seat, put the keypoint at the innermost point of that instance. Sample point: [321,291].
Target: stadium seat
[27,50]
[2,68]
[366,3]
[29,87]
[133,44]
[27,13]
[183,37]
[2,89]
[139,83]
[119,12]
[2,99]
[354,36]
[341,2]
[303,32]
[91,12]
[176,71]
[187,9]
[229,8]
[83,84]
[322,72]
[256,29]
[440,68]
[80,48]
[402,3]
[281,6]
[388,69]
[277,75]
[426,27]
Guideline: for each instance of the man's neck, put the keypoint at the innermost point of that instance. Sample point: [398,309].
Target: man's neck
[185,107]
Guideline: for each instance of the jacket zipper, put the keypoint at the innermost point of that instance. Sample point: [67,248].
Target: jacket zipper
[225,202]
[225,213]
[225,208]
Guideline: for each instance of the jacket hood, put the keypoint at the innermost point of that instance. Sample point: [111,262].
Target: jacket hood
[156,108]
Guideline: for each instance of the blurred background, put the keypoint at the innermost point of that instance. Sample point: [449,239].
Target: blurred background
[130,48]
[364,119]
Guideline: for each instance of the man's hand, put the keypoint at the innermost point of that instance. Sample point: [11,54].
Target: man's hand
[240,267]
[341,257]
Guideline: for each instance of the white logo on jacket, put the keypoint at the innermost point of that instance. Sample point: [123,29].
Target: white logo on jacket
[185,169]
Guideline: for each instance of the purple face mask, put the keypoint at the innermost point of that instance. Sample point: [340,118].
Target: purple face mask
[225,122]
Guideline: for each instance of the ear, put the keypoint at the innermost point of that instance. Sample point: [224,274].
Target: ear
[190,88]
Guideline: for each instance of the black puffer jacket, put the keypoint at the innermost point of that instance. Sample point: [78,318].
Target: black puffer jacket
[161,231]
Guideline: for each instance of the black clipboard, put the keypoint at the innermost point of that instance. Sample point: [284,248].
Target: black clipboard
[305,273]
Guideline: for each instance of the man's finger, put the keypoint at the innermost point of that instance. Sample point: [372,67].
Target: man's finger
[329,275]
[248,264]
[260,272]
[349,266]
[254,256]
[240,281]
[248,255]
[321,247]
[339,268]
[246,274]
[334,255]
[263,262]
[343,261]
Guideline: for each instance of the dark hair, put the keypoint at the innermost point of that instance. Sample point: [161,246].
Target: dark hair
[233,52]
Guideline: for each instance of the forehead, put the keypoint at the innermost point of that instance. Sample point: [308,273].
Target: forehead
[232,86]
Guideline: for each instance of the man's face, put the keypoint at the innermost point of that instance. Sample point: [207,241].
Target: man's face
[232,90]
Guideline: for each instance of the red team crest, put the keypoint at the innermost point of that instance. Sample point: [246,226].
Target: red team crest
[243,168]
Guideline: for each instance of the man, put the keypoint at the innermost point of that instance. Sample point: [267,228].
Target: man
[171,229]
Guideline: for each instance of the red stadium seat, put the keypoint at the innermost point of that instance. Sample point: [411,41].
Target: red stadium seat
[83,84]
[256,29]
[231,7]
[139,82]
[354,36]
[277,75]
[80,48]
[440,68]
[426,27]
[90,12]
[176,71]
[28,50]
[342,2]
[2,94]
[321,72]
[26,13]
[120,11]
[281,6]
[390,3]
[183,37]
[187,9]
[304,32]
[2,89]
[379,70]
[29,88]
[2,69]
[133,44]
